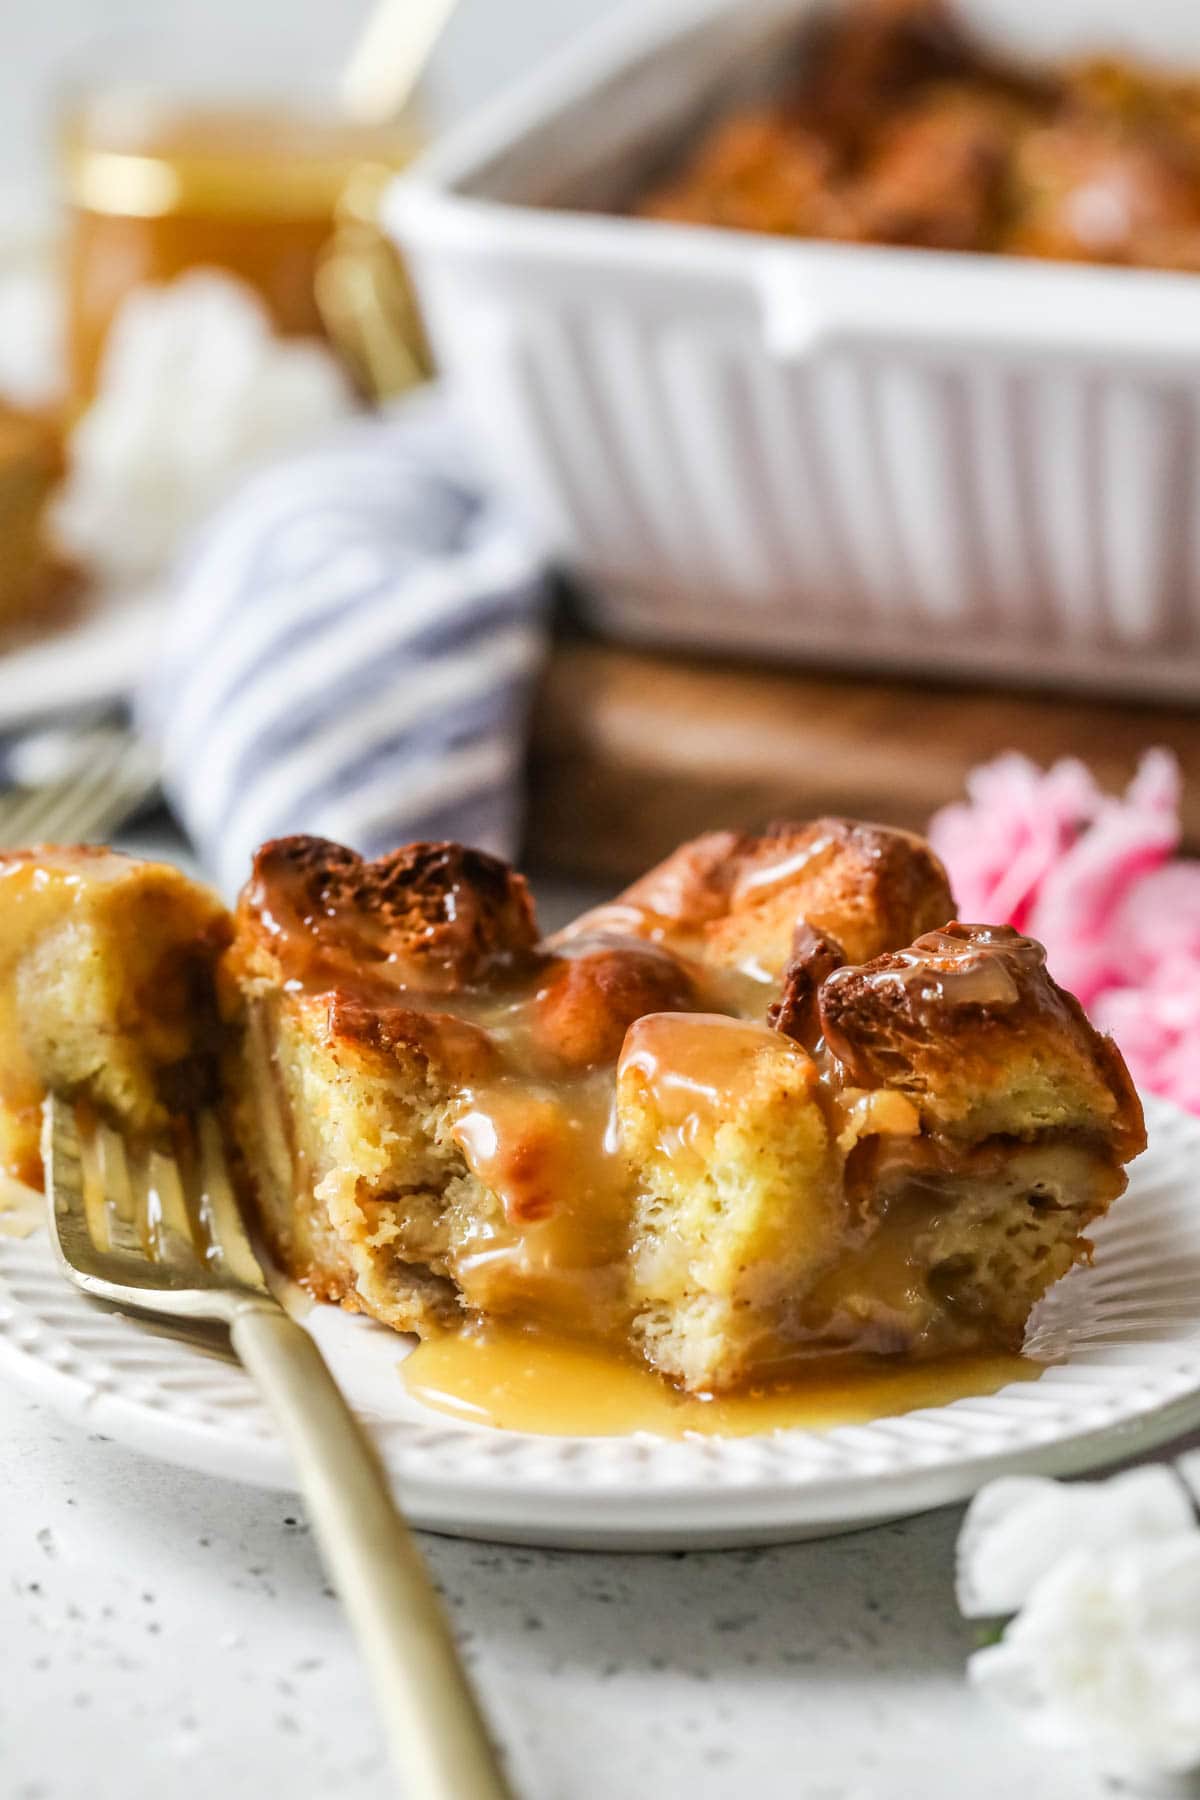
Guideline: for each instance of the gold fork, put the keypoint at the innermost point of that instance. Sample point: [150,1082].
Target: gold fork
[90,781]
[161,1233]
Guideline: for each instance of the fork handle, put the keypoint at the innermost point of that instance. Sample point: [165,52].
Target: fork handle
[433,1724]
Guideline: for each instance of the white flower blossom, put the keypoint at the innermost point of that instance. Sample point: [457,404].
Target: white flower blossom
[194,390]
[1019,1528]
[1104,1658]
[1189,1471]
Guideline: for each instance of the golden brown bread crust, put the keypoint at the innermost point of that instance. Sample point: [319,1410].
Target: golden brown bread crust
[965,1008]
[431,917]
[437,919]
[796,1013]
[463,1051]
[586,1004]
[733,897]
[440,919]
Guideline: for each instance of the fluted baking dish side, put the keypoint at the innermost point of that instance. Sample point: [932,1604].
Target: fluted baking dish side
[902,458]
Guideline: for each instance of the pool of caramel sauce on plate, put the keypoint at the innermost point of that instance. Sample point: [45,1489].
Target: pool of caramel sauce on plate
[517,1380]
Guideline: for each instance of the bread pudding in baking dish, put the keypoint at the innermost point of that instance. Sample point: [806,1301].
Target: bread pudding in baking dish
[773,1100]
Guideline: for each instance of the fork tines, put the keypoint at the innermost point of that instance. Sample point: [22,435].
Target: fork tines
[111,774]
[152,1224]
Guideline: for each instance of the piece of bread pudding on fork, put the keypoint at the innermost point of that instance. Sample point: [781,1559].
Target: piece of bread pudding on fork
[107,988]
[771,1101]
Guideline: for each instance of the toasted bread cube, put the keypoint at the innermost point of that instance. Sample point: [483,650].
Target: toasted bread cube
[346,1068]
[968,1023]
[1022,1118]
[737,1206]
[344,1118]
[735,900]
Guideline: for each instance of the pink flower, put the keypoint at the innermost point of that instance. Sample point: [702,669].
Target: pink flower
[1093,878]
[1159,918]
[1082,896]
[1002,841]
[1157,1025]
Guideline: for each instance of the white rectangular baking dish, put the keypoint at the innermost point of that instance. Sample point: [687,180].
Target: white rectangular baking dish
[898,458]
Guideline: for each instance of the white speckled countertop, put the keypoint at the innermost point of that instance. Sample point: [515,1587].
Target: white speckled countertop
[169,1635]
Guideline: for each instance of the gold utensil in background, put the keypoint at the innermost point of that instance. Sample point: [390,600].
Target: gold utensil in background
[166,173]
[390,56]
[75,785]
[363,292]
[364,296]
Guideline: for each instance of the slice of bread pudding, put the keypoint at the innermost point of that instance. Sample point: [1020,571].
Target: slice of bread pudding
[767,1103]
[425,1093]
[351,987]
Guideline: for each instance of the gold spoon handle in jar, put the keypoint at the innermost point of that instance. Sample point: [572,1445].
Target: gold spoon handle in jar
[389,57]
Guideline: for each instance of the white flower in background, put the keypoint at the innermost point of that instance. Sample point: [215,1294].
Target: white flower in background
[1017,1529]
[1189,1470]
[194,390]
[1104,1658]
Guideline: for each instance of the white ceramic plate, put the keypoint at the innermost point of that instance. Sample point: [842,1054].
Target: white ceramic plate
[1127,1333]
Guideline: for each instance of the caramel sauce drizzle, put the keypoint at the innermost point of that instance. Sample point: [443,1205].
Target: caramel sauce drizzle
[941,970]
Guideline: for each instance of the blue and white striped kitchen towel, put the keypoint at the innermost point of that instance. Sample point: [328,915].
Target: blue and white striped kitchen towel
[351,651]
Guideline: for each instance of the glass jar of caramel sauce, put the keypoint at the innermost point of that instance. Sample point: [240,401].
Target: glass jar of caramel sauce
[158,184]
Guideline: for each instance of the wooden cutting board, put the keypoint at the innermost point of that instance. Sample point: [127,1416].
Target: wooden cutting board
[633,752]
